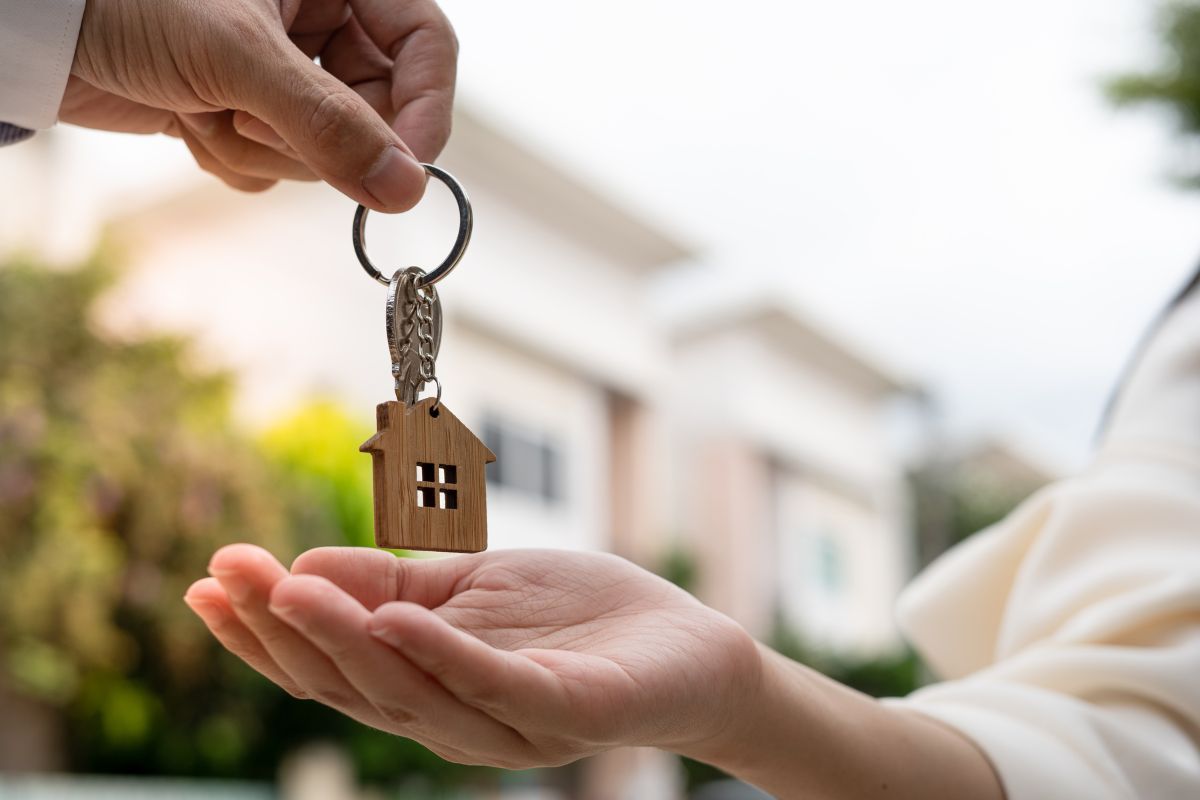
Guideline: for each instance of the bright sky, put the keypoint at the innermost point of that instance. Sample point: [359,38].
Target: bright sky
[941,181]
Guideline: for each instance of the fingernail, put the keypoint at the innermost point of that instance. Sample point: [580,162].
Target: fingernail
[237,587]
[396,180]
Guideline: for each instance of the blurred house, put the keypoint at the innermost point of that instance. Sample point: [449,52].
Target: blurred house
[961,489]
[793,494]
[1001,466]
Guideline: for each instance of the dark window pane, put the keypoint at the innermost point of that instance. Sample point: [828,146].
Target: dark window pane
[525,462]
[493,438]
[551,479]
[524,468]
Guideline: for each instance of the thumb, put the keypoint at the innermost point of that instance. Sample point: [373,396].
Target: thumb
[332,130]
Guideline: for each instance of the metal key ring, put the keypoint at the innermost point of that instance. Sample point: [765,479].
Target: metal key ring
[466,222]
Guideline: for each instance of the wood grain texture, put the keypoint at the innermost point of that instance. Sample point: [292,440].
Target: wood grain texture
[430,487]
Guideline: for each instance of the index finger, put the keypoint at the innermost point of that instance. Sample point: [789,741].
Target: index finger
[374,577]
[424,50]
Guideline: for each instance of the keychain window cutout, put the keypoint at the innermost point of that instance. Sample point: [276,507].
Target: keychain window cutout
[430,487]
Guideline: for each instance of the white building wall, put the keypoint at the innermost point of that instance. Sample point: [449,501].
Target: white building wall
[492,380]
[834,554]
[783,405]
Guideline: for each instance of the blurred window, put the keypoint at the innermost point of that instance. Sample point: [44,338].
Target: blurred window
[830,571]
[526,462]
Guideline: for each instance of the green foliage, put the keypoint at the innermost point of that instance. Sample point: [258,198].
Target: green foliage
[316,450]
[121,471]
[950,504]
[893,675]
[119,476]
[679,567]
[1175,83]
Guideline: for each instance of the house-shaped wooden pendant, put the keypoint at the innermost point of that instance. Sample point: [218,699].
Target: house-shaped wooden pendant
[430,488]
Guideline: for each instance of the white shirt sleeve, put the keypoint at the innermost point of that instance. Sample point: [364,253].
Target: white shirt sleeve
[1069,633]
[37,48]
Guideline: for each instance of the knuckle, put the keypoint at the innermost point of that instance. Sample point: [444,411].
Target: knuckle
[330,124]
[396,715]
[454,756]
[488,701]
[242,651]
[274,638]
[332,697]
[339,652]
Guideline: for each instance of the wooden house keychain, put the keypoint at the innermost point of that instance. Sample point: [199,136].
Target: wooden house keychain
[429,483]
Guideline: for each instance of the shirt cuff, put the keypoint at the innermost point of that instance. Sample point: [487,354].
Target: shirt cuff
[37,48]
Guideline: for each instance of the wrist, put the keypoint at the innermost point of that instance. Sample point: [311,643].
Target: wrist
[733,722]
[804,735]
[799,734]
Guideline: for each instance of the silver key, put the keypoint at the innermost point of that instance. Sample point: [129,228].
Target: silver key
[414,331]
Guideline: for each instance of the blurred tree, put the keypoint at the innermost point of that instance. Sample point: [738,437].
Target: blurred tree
[678,565]
[948,508]
[316,450]
[120,473]
[1175,83]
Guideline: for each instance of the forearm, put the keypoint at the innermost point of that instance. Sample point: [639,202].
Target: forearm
[804,735]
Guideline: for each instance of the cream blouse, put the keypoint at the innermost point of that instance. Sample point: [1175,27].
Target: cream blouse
[1068,635]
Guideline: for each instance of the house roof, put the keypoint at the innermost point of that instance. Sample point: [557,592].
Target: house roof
[409,417]
[786,327]
[479,152]
[1005,461]
[546,189]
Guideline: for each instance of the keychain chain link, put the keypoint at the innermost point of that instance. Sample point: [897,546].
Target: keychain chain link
[423,300]
[414,333]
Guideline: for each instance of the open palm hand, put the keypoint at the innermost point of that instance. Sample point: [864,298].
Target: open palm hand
[515,659]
